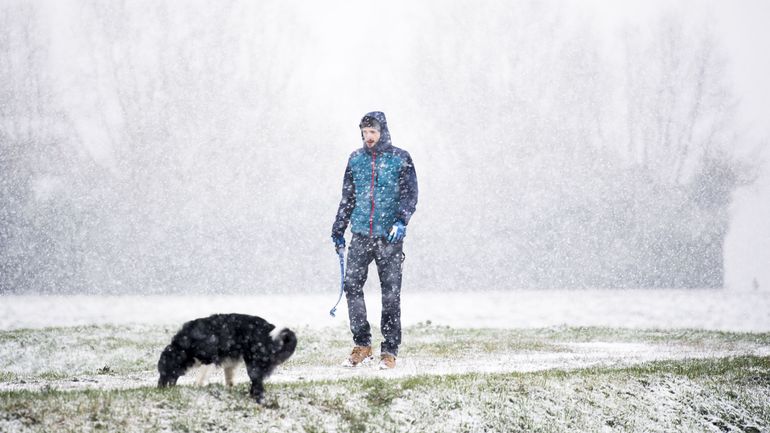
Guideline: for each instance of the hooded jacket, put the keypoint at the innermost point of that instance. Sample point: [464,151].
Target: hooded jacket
[379,187]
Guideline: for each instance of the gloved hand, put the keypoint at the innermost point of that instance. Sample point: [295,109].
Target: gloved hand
[339,243]
[397,232]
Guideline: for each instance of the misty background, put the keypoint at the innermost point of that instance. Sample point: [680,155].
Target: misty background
[184,146]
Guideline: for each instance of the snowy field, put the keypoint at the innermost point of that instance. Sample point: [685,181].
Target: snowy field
[667,360]
[747,311]
[428,318]
[694,360]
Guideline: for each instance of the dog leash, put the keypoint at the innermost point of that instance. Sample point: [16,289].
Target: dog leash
[341,254]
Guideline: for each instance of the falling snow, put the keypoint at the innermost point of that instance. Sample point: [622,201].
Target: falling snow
[582,165]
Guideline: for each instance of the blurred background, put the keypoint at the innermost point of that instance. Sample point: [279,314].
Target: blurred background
[199,147]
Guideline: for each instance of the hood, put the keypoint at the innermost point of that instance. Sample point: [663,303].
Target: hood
[384,142]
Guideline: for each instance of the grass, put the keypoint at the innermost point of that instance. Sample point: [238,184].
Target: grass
[81,350]
[705,393]
[727,394]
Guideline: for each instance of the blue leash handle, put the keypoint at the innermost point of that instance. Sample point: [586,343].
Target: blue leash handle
[340,253]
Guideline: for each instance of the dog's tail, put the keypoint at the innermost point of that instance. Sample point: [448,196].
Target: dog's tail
[283,346]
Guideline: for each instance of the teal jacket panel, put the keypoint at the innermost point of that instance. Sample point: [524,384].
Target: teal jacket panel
[379,188]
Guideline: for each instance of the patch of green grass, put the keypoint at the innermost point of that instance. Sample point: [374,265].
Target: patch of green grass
[445,341]
[740,366]
[53,375]
[625,335]
[379,392]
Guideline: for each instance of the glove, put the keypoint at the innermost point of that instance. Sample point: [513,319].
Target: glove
[397,232]
[339,243]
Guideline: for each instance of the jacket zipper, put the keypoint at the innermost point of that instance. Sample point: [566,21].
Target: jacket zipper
[371,214]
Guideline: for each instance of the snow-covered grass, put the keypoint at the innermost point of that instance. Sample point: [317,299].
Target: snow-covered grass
[124,356]
[469,362]
[727,394]
[448,379]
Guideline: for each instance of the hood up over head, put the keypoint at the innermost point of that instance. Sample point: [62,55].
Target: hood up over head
[376,120]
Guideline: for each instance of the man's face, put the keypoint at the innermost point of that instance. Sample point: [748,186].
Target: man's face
[371,136]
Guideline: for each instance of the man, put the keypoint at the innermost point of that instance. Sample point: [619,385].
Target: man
[379,196]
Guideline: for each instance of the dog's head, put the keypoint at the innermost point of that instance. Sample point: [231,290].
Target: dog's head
[171,365]
[283,346]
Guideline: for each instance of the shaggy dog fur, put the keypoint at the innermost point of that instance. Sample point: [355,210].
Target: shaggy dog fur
[226,340]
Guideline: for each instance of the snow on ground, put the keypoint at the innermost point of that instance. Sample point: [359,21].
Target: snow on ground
[637,309]
[569,356]
[663,309]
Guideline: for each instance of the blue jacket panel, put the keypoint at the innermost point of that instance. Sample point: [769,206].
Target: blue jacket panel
[379,187]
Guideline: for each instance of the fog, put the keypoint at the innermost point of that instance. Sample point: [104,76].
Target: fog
[153,147]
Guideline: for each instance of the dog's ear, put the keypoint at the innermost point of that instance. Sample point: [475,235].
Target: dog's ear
[269,327]
[283,346]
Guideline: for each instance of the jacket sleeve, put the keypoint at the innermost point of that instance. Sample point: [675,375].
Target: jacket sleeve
[347,203]
[407,183]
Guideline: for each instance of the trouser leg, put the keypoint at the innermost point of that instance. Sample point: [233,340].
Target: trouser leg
[389,258]
[359,258]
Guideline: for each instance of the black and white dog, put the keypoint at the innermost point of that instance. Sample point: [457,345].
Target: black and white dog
[227,340]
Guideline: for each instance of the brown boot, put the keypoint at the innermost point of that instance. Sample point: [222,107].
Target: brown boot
[360,355]
[387,361]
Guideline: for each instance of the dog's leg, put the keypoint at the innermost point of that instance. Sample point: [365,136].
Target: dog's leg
[229,373]
[229,365]
[257,375]
[203,373]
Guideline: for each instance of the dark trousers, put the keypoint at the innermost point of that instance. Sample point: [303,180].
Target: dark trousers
[389,258]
